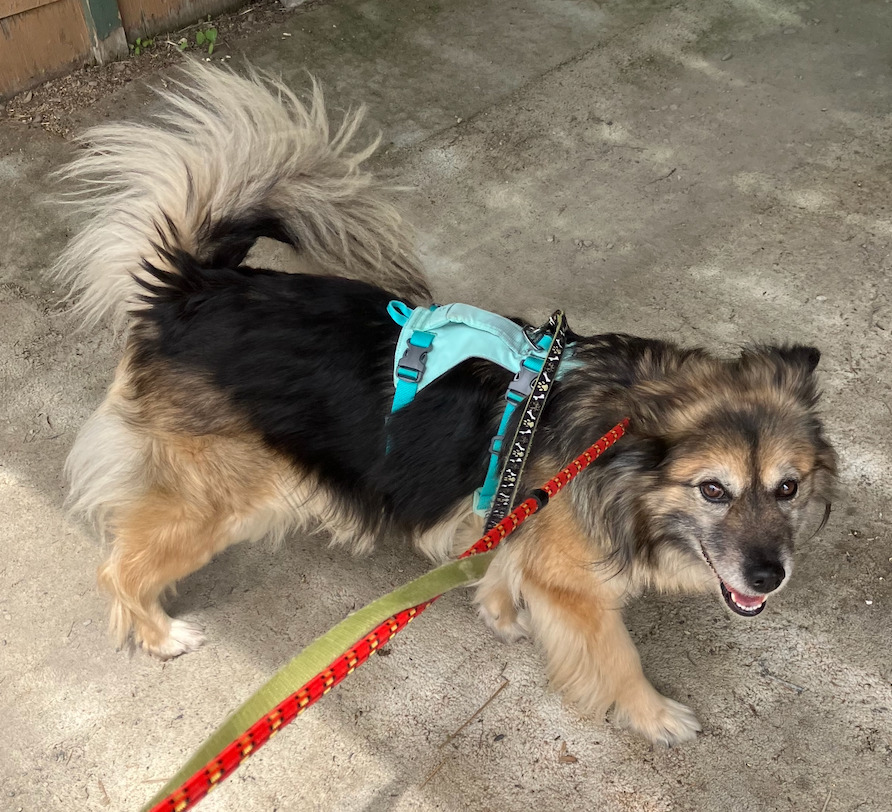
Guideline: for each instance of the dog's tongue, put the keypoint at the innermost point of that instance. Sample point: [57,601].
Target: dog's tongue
[747,601]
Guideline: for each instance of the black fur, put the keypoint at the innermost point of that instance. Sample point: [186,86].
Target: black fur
[308,361]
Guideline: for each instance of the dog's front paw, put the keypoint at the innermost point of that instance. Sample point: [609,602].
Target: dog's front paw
[182,638]
[505,620]
[660,720]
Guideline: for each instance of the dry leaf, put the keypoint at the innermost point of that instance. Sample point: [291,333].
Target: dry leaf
[565,757]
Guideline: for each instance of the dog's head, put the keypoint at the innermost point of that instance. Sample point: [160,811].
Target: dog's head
[742,459]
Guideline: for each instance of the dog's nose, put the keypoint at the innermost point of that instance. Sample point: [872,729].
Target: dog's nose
[765,576]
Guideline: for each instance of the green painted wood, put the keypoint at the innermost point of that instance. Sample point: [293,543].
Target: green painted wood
[102,17]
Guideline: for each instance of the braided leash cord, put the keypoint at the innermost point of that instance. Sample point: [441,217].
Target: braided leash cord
[205,779]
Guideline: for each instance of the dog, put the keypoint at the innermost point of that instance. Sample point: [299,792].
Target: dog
[249,403]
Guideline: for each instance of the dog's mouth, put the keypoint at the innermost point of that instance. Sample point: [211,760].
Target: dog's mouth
[740,604]
[746,605]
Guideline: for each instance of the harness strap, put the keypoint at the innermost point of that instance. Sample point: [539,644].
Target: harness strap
[410,368]
[518,391]
[505,495]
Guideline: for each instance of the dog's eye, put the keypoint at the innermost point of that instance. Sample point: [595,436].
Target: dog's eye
[787,489]
[713,492]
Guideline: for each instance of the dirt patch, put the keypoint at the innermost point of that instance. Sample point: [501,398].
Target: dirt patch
[57,105]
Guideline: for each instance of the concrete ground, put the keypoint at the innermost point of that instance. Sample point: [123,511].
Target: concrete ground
[712,171]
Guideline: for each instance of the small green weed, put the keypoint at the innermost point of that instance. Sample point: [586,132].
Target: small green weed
[206,36]
[141,45]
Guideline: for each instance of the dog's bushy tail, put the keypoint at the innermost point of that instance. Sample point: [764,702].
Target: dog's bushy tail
[227,160]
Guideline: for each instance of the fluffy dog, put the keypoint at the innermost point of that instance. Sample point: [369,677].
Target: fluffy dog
[251,402]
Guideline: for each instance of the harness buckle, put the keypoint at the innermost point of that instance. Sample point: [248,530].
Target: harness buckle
[522,385]
[412,364]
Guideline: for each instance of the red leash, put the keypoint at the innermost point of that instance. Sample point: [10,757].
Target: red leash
[205,779]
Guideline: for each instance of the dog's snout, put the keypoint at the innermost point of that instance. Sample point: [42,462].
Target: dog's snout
[765,575]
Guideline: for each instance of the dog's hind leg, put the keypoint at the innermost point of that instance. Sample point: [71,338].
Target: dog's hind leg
[159,540]
[201,494]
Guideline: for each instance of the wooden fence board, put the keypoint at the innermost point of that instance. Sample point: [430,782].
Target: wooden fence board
[145,18]
[41,39]
[44,41]
[10,7]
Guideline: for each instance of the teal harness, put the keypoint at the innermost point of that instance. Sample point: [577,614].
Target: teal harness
[438,338]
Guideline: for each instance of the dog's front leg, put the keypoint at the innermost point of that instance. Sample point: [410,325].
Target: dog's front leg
[593,662]
[573,606]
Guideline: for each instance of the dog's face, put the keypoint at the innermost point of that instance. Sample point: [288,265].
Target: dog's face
[745,460]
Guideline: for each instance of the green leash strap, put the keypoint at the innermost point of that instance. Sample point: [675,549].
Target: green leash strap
[317,656]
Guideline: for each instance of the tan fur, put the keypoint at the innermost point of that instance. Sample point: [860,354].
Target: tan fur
[188,497]
[223,145]
[453,535]
[574,608]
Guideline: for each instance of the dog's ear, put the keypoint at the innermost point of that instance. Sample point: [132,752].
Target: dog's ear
[799,356]
[670,382]
[789,367]
[793,356]
[651,413]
